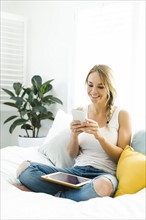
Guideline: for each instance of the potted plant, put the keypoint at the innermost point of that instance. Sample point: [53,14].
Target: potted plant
[32,104]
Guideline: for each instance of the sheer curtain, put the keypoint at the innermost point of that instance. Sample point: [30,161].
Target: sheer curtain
[113,33]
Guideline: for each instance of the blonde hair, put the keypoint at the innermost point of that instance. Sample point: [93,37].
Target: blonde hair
[106,75]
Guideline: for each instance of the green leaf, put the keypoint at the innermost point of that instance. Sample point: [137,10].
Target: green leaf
[17,123]
[19,105]
[55,99]
[36,82]
[34,102]
[10,118]
[17,87]
[26,127]
[48,82]
[11,104]
[27,91]
[8,92]
[39,109]
[46,87]
[19,99]
[30,98]
[23,112]
[51,100]
[47,115]
[36,122]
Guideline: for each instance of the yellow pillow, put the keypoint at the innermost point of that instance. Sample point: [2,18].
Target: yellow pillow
[131,172]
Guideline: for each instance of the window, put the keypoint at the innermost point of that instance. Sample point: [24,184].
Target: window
[113,33]
[13,44]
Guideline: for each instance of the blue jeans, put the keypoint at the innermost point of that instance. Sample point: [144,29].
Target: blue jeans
[30,178]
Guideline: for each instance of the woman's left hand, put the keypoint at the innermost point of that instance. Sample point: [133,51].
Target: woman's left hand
[91,127]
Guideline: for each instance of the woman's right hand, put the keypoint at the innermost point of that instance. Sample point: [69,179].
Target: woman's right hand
[75,127]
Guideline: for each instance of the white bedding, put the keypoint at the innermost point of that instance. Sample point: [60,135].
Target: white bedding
[20,205]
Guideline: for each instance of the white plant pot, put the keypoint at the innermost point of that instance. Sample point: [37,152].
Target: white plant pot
[30,142]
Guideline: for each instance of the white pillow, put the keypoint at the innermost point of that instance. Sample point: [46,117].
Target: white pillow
[62,120]
[54,147]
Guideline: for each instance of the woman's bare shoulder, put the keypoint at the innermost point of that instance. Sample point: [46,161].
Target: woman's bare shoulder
[122,111]
[124,116]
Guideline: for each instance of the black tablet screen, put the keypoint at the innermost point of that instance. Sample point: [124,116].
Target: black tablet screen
[68,178]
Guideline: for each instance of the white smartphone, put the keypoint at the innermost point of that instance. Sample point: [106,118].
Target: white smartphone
[78,115]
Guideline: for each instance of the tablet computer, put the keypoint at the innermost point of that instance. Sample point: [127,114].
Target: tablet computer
[66,179]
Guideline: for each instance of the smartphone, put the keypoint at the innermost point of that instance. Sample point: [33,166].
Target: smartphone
[78,115]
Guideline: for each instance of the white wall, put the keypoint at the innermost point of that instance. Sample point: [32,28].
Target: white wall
[50,49]
[114,33]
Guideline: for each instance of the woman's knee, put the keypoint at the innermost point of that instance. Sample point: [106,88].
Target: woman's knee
[103,186]
[22,167]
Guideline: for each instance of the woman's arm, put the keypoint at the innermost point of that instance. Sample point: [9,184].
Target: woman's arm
[73,144]
[124,135]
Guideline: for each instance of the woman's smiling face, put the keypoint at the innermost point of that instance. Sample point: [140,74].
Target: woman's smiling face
[96,89]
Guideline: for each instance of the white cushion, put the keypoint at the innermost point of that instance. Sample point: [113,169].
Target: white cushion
[62,120]
[54,147]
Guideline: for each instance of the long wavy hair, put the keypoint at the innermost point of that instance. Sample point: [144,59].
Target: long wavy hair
[106,76]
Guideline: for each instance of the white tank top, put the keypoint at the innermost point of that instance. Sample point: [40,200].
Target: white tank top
[92,153]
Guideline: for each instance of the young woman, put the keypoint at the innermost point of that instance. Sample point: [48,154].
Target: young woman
[96,144]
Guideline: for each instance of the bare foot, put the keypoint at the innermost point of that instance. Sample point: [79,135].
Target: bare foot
[23,188]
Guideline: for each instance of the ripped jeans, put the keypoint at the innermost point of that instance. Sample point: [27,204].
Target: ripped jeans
[31,178]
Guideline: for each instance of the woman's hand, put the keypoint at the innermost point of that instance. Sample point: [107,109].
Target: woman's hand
[76,127]
[91,127]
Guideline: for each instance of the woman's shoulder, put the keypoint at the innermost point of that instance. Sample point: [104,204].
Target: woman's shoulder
[120,113]
[124,114]
[120,110]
